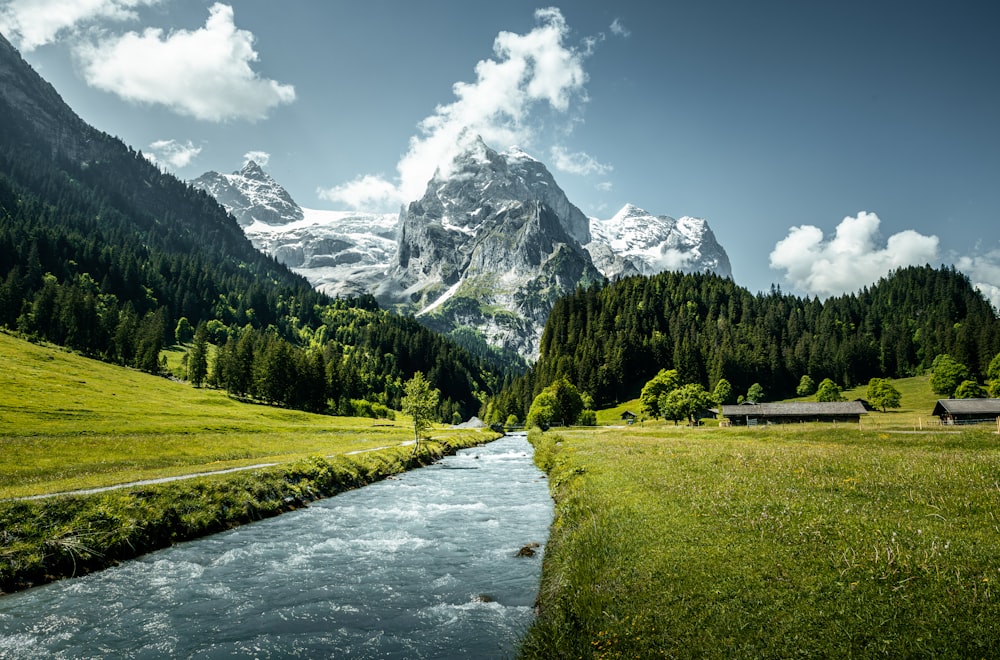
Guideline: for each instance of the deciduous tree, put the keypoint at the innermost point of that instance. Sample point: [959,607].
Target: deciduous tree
[419,403]
[828,391]
[947,374]
[663,382]
[969,389]
[685,402]
[883,394]
[807,386]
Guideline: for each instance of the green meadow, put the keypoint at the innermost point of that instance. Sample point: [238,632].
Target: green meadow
[68,422]
[805,540]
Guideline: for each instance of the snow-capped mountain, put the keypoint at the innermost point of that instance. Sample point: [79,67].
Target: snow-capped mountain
[341,253]
[491,244]
[636,242]
[251,195]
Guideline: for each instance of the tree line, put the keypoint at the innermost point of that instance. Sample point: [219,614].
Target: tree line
[610,339]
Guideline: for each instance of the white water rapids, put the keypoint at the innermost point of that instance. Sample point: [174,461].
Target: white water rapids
[421,566]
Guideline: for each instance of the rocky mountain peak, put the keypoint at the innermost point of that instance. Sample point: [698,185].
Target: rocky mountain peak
[634,241]
[251,195]
[254,171]
[482,180]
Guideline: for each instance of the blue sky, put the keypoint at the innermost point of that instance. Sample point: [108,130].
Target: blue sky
[825,143]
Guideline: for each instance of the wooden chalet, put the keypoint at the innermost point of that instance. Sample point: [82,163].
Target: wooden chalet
[629,417]
[752,414]
[967,411]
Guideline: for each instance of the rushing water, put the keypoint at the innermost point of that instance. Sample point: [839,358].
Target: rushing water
[421,566]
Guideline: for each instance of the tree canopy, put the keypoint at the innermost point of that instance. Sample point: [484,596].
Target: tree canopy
[947,374]
[883,394]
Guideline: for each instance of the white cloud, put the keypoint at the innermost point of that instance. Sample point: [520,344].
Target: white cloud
[605,186]
[851,259]
[528,71]
[34,23]
[984,272]
[619,30]
[203,73]
[262,158]
[176,154]
[577,163]
[370,193]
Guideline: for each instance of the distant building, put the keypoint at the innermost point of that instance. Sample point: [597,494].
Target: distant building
[752,414]
[629,417]
[967,411]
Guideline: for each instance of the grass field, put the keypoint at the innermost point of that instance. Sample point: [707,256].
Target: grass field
[772,542]
[68,422]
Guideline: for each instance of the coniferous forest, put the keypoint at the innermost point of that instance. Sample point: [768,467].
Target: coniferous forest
[609,340]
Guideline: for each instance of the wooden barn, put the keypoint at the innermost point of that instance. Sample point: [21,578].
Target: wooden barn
[752,414]
[967,411]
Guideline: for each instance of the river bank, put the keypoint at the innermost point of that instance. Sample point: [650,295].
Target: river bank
[793,540]
[46,540]
[427,564]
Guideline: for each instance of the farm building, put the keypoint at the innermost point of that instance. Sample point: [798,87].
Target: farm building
[629,417]
[752,414]
[967,411]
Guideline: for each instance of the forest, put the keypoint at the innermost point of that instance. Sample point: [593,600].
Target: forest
[107,254]
[609,340]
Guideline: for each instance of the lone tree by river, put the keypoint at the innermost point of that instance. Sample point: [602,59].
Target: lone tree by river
[419,403]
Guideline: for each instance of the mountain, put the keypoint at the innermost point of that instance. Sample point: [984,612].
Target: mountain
[635,242]
[340,253]
[251,195]
[492,244]
[104,253]
[486,251]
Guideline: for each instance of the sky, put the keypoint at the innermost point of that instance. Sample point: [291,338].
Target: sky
[826,143]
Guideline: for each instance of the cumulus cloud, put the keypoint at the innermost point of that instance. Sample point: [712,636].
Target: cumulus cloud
[34,23]
[367,192]
[984,272]
[577,163]
[528,71]
[619,30]
[262,158]
[172,153]
[851,259]
[203,73]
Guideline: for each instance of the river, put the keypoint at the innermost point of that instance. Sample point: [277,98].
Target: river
[424,565]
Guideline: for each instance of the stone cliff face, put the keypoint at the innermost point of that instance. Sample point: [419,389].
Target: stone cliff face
[492,244]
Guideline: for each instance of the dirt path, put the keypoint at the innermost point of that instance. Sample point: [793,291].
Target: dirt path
[181,477]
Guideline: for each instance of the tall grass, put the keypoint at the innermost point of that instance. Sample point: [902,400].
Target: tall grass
[770,542]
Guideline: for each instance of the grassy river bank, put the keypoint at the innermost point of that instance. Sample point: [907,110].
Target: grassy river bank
[770,542]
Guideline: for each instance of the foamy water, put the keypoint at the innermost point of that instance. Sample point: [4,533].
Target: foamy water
[422,566]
